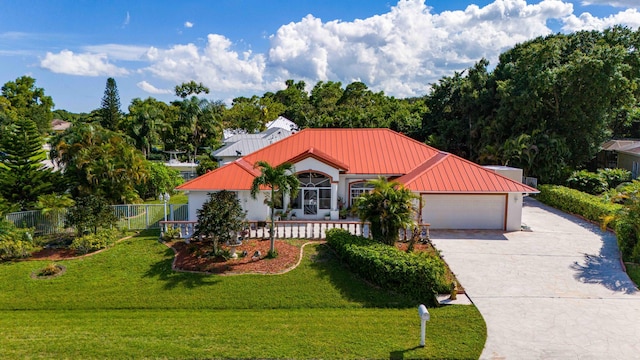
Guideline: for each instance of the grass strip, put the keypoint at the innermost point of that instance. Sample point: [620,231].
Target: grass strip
[276,333]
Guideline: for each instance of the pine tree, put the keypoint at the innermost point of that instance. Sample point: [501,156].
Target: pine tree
[22,175]
[110,111]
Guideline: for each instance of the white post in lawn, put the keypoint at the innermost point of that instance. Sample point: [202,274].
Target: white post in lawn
[164,198]
[424,317]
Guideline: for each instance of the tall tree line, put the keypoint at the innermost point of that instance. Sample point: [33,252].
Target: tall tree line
[546,106]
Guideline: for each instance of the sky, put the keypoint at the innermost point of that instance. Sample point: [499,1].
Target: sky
[249,47]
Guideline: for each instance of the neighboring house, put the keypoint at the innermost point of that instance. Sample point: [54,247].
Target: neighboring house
[281,122]
[239,145]
[187,169]
[623,154]
[59,126]
[334,165]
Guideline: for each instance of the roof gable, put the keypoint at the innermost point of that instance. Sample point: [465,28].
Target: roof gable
[362,151]
[449,173]
[320,156]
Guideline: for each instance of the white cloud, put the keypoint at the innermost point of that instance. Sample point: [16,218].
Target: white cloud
[216,65]
[188,24]
[126,21]
[152,89]
[618,3]
[407,48]
[119,52]
[400,52]
[66,62]
[586,21]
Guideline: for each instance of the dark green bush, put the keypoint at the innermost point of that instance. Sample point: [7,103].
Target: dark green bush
[573,201]
[587,182]
[418,275]
[614,177]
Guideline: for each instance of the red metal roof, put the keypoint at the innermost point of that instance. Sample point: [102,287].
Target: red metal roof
[364,151]
[237,175]
[449,173]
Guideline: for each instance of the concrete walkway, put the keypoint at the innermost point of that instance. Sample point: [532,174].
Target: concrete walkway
[555,292]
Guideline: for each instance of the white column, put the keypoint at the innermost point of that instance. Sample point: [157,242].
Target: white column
[335,215]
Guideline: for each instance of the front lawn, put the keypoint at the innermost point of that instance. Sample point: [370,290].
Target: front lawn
[126,302]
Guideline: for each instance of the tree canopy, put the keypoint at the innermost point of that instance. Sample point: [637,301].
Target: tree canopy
[23,177]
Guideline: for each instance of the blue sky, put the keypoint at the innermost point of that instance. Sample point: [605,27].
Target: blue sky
[246,47]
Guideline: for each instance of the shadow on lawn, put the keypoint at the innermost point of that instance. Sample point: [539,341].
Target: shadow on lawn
[399,354]
[162,271]
[353,288]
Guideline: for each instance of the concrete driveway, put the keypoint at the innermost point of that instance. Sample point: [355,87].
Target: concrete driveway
[555,292]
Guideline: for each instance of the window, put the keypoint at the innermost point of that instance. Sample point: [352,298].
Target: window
[314,194]
[357,189]
[311,179]
[296,202]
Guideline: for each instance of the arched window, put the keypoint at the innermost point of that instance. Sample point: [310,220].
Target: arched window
[314,194]
[313,179]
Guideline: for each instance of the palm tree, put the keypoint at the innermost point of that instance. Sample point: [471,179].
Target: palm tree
[388,207]
[145,122]
[281,178]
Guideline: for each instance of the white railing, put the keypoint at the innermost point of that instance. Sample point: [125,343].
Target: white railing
[291,229]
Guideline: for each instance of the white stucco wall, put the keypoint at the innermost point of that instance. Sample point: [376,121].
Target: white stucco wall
[514,212]
[256,209]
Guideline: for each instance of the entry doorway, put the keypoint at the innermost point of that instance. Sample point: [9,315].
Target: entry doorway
[310,198]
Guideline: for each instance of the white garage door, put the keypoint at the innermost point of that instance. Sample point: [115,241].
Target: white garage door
[464,211]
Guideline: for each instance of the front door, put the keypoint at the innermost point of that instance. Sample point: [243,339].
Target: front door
[310,198]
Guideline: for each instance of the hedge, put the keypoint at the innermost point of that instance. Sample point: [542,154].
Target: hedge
[590,207]
[418,275]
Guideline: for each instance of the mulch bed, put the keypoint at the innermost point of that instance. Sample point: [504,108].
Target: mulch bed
[190,257]
[53,254]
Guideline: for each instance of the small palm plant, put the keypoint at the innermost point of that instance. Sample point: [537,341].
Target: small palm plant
[282,179]
[388,207]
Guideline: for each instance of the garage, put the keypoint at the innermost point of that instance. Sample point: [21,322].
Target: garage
[465,211]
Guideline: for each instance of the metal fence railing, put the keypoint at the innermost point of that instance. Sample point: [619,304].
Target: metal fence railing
[130,216]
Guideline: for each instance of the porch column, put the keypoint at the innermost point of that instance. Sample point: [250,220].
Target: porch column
[334,196]
[334,201]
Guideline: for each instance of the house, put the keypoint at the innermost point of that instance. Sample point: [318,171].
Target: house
[236,146]
[623,154]
[59,126]
[334,165]
[187,169]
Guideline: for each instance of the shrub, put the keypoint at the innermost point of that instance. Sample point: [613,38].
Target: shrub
[49,270]
[614,177]
[89,214]
[418,275]
[587,182]
[94,242]
[15,243]
[573,201]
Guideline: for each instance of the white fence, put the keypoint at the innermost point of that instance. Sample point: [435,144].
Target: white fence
[130,216]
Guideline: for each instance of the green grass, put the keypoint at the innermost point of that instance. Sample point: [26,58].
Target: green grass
[179,198]
[633,270]
[126,302]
